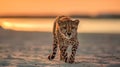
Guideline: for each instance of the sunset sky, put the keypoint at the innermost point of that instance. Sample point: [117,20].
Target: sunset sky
[55,7]
[59,7]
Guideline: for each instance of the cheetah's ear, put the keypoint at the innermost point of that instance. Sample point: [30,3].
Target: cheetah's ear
[59,22]
[76,21]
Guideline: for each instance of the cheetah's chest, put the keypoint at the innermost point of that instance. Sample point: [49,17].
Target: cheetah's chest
[65,42]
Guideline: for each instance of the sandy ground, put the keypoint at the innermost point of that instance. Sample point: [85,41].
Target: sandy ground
[30,49]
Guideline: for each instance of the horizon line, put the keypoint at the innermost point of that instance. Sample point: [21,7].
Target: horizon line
[53,16]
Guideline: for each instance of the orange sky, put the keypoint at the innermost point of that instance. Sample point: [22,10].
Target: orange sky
[55,7]
[58,7]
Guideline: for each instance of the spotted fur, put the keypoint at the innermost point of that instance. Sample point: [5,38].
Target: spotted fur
[64,35]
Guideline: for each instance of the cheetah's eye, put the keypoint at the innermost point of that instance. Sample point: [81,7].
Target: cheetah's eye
[64,27]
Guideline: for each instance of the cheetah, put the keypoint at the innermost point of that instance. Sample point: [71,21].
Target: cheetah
[64,35]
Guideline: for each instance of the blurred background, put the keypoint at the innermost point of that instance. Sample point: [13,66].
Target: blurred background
[26,32]
[96,16]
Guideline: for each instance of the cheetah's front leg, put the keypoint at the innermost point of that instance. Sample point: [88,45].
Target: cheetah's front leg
[72,56]
[63,53]
[52,56]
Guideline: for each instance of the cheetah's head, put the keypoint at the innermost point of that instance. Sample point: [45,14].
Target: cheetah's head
[68,27]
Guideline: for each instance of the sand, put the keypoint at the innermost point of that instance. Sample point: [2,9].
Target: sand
[30,49]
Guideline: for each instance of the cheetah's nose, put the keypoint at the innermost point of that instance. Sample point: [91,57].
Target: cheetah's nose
[69,34]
